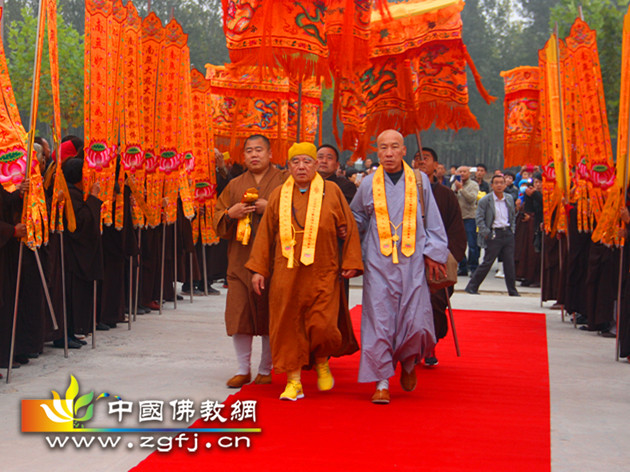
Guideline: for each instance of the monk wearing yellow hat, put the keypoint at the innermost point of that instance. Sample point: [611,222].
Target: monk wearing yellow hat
[307,240]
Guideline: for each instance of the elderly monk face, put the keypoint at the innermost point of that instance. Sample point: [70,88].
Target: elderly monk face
[391,150]
[303,168]
[257,155]
[327,161]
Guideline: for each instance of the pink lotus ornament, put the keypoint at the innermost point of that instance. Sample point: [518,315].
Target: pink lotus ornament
[132,158]
[189,161]
[13,165]
[549,171]
[602,176]
[151,162]
[170,161]
[205,191]
[99,156]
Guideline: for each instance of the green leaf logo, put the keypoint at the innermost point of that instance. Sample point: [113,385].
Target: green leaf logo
[63,413]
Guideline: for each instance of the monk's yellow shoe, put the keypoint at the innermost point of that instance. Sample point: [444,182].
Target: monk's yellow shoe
[262,379]
[239,380]
[293,391]
[325,380]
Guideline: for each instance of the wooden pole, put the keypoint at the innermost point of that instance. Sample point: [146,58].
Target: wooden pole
[95,288]
[63,298]
[162,271]
[175,265]
[620,281]
[135,310]
[299,114]
[450,315]
[542,266]
[130,309]
[205,269]
[191,277]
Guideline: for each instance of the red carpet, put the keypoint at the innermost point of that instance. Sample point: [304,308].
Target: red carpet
[485,411]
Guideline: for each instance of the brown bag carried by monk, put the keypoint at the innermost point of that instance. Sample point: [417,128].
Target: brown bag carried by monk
[451,263]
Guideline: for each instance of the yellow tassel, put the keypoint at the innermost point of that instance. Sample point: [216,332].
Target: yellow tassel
[395,253]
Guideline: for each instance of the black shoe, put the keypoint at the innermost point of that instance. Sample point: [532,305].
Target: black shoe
[213,291]
[603,334]
[82,342]
[431,361]
[515,294]
[21,358]
[580,319]
[102,327]
[32,355]
[143,309]
[112,325]
[525,283]
[72,344]
[471,291]
[462,273]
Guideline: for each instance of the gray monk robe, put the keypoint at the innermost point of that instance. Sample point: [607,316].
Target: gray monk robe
[397,319]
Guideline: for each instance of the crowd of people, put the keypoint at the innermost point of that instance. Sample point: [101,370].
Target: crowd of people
[290,240]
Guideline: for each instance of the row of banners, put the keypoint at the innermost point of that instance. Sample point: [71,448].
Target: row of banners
[153,123]
[555,117]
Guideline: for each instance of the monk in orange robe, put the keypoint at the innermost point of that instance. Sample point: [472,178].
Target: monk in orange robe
[297,246]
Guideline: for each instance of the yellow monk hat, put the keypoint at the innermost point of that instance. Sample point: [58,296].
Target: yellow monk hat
[303,149]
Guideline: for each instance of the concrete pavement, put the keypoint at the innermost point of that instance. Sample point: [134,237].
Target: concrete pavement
[186,354]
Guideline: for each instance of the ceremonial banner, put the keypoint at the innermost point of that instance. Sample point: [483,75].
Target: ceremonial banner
[153,34]
[58,206]
[285,33]
[610,224]
[13,156]
[103,25]
[416,77]
[174,61]
[244,103]
[347,27]
[521,135]
[555,170]
[589,125]
[204,173]
[309,114]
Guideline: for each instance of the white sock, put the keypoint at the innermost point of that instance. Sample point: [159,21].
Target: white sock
[382,385]
[265,357]
[243,348]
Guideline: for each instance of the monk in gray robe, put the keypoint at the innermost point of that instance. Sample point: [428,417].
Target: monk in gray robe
[397,246]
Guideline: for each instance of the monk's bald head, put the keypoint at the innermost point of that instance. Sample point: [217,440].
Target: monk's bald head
[391,150]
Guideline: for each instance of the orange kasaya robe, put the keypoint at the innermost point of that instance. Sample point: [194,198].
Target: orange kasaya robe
[308,312]
[245,312]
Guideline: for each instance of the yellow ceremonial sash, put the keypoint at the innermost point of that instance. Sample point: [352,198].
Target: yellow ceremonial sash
[388,242]
[311,225]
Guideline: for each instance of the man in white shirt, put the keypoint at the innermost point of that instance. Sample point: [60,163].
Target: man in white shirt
[495,219]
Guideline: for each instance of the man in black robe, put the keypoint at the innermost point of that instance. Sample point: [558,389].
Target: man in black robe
[83,251]
[328,163]
[456,233]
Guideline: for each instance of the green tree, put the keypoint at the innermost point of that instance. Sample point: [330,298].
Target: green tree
[20,58]
[606,17]
[201,20]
